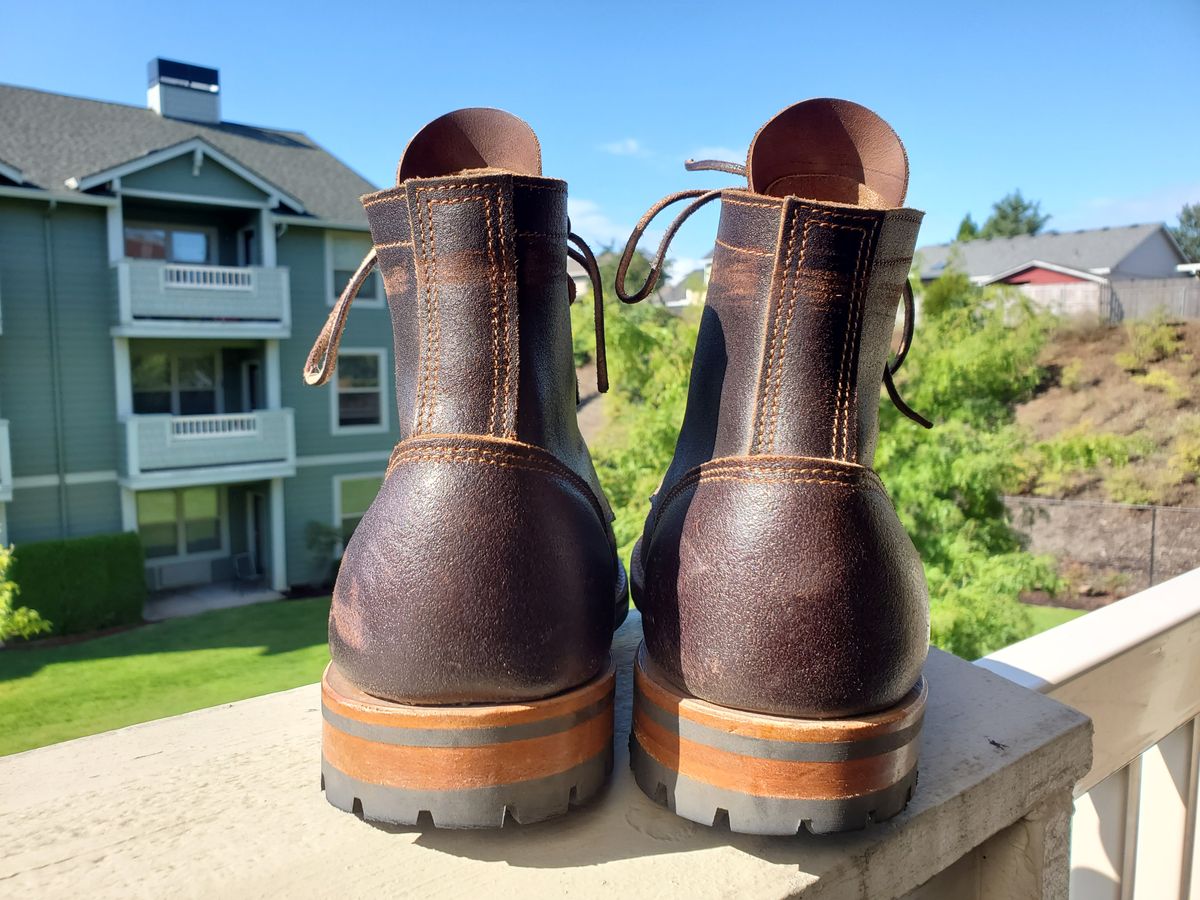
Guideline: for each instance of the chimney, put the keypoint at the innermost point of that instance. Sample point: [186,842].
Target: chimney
[183,91]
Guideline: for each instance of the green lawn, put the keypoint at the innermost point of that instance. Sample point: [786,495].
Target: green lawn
[58,693]
[1046,617]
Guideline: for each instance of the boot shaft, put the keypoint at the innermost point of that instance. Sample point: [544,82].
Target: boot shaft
[475,271]
[800,313]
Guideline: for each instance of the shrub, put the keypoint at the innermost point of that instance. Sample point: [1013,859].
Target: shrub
[1056,467]
[21,622]
[1185,449]
[1164,382]
[1071,376]
[1148,487]
[1150,341]
[83,584]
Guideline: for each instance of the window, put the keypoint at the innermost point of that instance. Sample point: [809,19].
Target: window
[185,522]
[183,384]
[358,395]
[353,495]
[171,243]
[344,250]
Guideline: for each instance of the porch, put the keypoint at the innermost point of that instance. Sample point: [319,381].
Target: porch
[226,800]
[179,603]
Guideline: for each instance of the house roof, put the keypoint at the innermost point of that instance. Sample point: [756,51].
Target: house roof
[1082,251]
[51,138]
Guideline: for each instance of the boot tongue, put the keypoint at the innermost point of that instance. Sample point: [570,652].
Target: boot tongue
[469,139]
[830,151]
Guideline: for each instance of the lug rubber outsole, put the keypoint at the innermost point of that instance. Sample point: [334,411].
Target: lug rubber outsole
[767,774]
[465,766]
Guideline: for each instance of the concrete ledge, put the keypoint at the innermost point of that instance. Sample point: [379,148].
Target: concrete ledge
[225,802]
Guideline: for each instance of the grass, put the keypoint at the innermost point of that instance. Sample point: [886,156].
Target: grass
[54,694]
[1046,617]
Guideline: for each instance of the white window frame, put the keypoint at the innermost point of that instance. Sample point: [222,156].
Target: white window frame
[222,513]
[380,300]
[335,426]
[209,230]
[338,515]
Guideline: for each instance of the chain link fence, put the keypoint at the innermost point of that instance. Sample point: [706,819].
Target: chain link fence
[1130,546]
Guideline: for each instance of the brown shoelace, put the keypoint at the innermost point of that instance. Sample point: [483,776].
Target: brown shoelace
[699,198]
[322,358]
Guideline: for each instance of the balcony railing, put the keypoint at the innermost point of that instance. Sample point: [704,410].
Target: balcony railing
[172,450]
[6,475]
[1134,668]
[161,298]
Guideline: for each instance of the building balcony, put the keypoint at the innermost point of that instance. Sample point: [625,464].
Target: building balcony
[163,299]
[6,475]
[175,451]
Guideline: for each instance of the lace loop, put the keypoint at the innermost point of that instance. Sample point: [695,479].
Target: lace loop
[322,358]
[701,196]
[584,256]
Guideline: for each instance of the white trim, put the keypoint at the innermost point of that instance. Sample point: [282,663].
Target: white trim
[223,527]
[331,296]
[4,541]
[286,219]
[143,194]
[123,368]
[181,478]
[36,193]
[267,251]
[338,429]
[192,145]
[338,516]
[29,482]
[12,173]
[338,459]
[279,579]
[115,233]
[1081,274]
[183,328]
[271,381]
[1188,268]
[128,509]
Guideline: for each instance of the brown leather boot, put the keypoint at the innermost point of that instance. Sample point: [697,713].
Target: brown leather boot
[476,601]
[785,608]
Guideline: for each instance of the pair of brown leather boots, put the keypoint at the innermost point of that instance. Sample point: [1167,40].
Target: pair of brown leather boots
[784,607]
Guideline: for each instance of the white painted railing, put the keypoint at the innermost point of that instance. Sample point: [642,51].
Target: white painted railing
[6,475]
[1134,668]
[218,278]
[215,426]
[164,450]
[156,298]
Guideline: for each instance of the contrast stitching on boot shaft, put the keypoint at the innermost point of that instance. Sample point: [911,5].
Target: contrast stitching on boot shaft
[508,426]
[433,451]
[794,273]
[728,246]
[841,419]
[766,370]
[494,320]
[759,468]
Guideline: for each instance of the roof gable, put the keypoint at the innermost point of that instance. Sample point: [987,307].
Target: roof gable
[1093,250]
[51,138]
[193,167]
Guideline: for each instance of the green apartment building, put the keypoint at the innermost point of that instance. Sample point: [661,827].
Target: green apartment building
[162,274]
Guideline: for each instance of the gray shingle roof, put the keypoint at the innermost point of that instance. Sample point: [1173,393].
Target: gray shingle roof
[52,137]
[1095,248]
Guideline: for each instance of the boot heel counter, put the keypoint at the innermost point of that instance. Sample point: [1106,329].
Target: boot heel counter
[483,572]
[787,586]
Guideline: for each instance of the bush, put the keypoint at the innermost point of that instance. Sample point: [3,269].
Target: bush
[21,622]
[1150,488]
[83,584]
[1164,382]
[1150,341]
[1071,376]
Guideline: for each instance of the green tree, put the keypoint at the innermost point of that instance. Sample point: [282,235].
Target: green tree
[21,622]
[1187,232]
[976,357]
[967,229]
[1013,215]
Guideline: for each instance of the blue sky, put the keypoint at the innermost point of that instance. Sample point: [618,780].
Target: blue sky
[1090,107]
